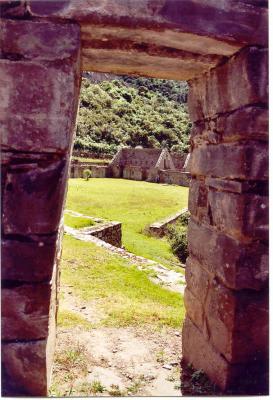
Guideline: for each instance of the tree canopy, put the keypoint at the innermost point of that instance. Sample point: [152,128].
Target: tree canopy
[130,111]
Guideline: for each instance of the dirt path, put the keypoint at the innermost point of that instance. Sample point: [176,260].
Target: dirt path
[114,361]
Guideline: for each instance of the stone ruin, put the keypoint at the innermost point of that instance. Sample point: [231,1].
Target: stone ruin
[152,165]
[220,48]
[139,164]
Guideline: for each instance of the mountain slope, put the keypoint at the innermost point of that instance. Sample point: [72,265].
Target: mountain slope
[131,111]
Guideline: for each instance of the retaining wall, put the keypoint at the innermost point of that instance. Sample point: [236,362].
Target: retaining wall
[160,228]
[97,171]
[109,233]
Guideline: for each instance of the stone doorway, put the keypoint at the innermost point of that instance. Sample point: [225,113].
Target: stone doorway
[221,49]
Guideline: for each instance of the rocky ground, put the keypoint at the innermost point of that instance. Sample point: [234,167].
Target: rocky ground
[120,361]
[115,361]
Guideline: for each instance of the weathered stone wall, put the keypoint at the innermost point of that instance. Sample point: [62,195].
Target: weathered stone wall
[160,228]
[109,233]
[174,177]
[226,327]
[134,173]
[133,157]
[116,171]
[39,86]
[97,171]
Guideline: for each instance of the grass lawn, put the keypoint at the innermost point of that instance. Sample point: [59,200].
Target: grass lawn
[77,222]
[136,205]
[126,295]
[93,160]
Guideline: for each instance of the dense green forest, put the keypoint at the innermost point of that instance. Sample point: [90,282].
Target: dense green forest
[130,111]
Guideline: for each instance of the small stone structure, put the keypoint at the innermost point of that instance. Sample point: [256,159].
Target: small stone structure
[109,232]
[152,165]
[159,228]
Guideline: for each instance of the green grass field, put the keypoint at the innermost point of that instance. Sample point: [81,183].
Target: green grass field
[77,222]
[93,160]
[136,205]
[126,295]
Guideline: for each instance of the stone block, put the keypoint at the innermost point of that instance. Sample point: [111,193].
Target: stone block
[198,199]
[38,189]
[241,81]
[194,308]
[228,185]
[38,105]
[24,369]
[191,18]
[25,312]
[202,355]
[248,123]
[250,378]
[231,161]
[198,279]
[238,323]
[245,123]
[243,216]
[28,259]
[237,265]
[39,40]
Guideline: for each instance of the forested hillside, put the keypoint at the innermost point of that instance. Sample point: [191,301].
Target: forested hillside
[130,111]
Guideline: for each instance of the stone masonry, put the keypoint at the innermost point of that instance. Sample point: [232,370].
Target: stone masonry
[109,232]
[160,228]
[227,270]
[220,47]
[39,88]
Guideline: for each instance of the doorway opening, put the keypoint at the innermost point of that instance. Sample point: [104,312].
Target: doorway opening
[122,276]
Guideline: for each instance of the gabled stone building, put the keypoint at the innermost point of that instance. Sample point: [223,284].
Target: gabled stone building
[140,164]
[153,165]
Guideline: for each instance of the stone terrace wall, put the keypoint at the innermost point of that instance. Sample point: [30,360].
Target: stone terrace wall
[97,171]
[226,299]
[160,228]
[109,233]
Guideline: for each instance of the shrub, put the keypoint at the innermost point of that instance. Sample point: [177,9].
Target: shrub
[86,174]
[178,241]
[177,235]
[184,219]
